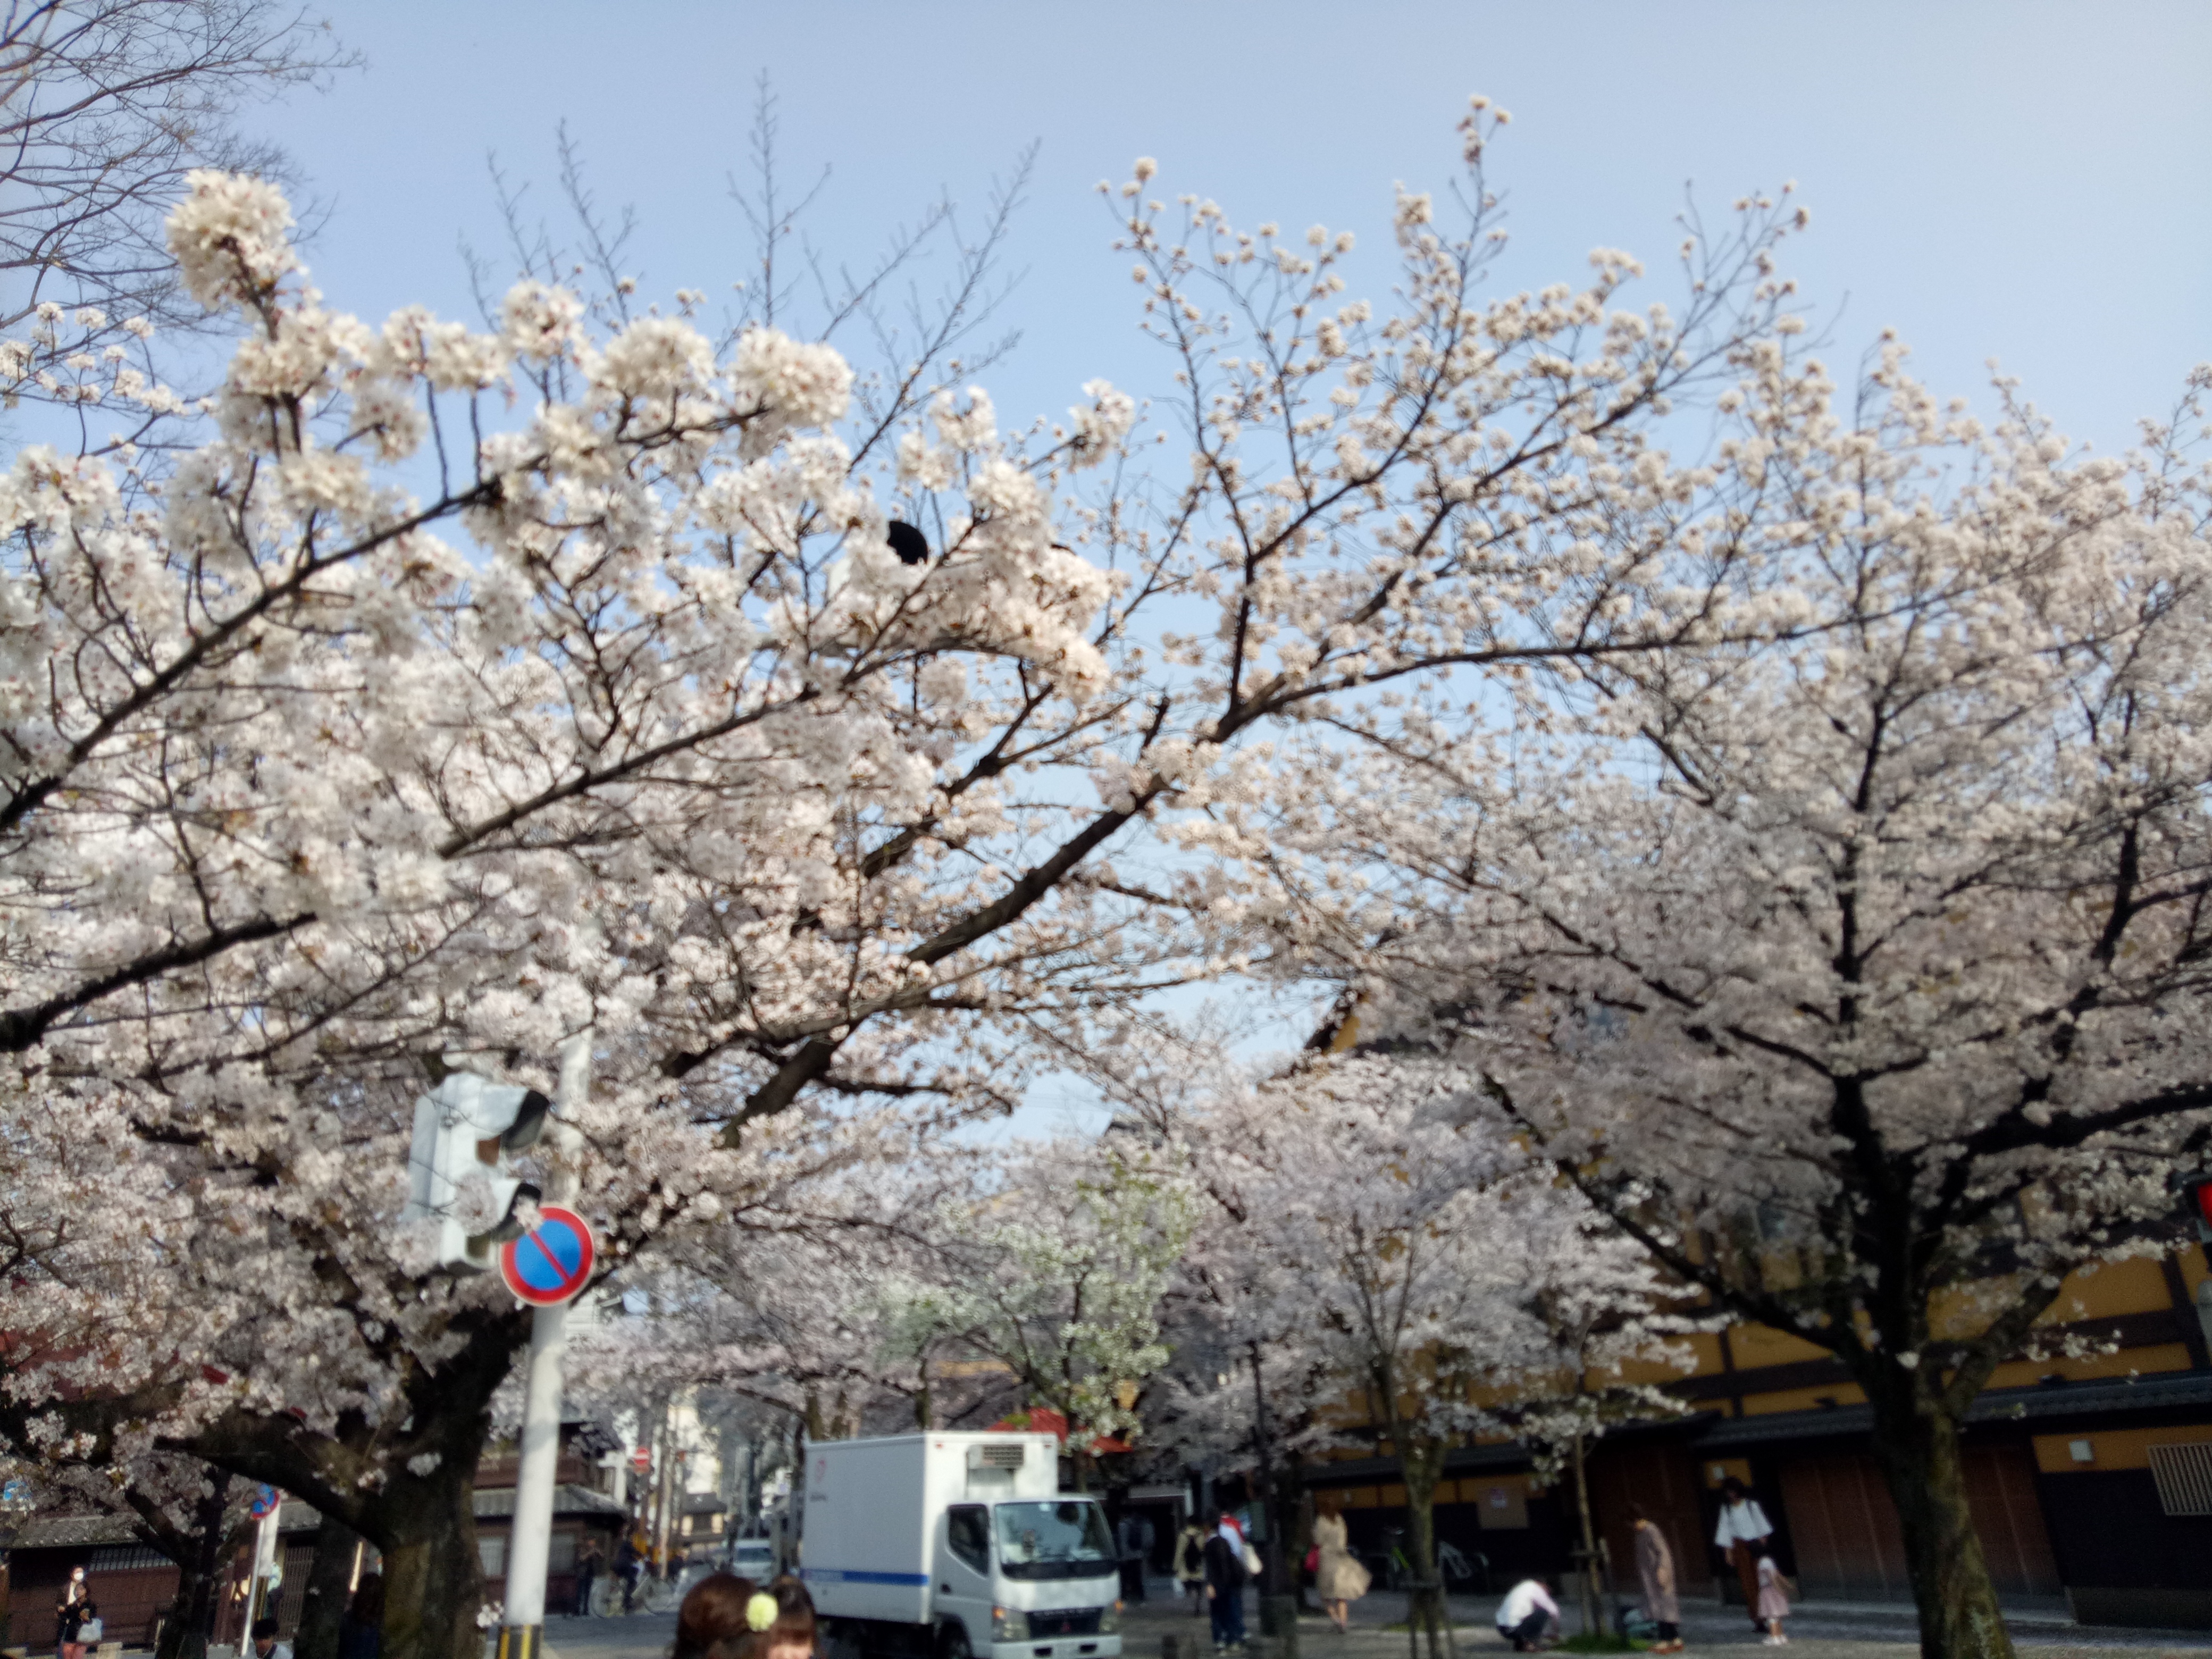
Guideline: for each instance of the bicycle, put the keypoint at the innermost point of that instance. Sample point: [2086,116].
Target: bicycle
[1455,1568]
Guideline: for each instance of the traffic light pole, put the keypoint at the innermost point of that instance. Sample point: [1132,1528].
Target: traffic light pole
[529,1549]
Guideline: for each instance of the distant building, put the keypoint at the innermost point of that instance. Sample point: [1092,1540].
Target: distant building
[135,1585]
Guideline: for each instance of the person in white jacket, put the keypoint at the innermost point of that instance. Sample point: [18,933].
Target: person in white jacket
[1524,1613]
[1742,1537]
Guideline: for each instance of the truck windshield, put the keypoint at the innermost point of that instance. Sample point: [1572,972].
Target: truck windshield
[1053,1541]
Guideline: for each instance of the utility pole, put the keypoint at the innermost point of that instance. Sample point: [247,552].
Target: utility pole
[672,1457]
[522,1632]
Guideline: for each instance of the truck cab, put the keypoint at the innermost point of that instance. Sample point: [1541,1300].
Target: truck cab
[957,1545]
[1028,1579]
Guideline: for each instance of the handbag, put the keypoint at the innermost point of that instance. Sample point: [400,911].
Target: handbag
[90,1632]
[1313,1559]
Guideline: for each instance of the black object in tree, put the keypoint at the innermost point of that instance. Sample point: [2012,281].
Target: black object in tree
[911,546]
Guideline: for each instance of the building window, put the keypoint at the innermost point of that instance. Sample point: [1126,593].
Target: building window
[2184,1474]
[492,1551]
[562,1555]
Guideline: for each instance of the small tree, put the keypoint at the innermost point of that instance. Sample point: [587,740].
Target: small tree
[1056,1269]
[1433,1261]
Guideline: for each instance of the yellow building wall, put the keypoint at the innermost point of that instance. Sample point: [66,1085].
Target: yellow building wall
[2127,1362]
[1755,1346]
[2112,1448]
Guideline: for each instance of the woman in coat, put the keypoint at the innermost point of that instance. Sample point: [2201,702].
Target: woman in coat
[1338,1579]
[74,1608]
[1654,1567]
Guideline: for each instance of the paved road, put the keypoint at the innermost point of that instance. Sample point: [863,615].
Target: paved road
[1817,1630]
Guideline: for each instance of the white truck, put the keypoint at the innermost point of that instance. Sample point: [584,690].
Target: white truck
[946,1545]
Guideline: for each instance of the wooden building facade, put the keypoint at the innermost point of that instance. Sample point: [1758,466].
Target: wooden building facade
[2090,1478]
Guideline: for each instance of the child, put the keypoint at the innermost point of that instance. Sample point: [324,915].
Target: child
[1773,1600]
[779,1624]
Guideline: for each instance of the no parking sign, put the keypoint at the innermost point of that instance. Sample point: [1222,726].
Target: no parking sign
[552,1262]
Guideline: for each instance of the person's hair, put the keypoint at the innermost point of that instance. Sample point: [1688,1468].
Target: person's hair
[1732,1486]
[793,1625]
[1636,1512]
[368,1599]
[263,1627]
[713,1612]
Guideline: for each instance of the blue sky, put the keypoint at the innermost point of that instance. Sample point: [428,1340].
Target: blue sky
[2018,181]
[2012,181]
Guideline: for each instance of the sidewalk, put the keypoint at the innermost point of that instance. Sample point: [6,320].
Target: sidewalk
[1817,1630]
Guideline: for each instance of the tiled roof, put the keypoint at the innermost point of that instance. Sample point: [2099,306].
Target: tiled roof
[499,1502]
[1999,1405]
[58,1532]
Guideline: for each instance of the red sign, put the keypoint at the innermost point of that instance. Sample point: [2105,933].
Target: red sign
[552,1262]
[640,1460]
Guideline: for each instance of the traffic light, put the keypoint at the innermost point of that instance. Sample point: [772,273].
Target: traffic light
[468,1126]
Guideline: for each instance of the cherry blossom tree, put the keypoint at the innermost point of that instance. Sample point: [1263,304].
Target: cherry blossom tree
[1441,1275]
[108,104]
[1860,977]
[315,780]
[1054,1267]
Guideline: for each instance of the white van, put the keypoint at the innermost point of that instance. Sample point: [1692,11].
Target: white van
[957,1547]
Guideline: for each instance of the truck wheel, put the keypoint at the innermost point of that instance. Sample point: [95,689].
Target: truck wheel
[953,1642]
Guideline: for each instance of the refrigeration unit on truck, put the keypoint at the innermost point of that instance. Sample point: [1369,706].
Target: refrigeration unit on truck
[959,1546]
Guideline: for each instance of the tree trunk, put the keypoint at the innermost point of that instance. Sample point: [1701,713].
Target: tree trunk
[337,1546]
[1593,1602]
[1425,1606]
[433,1580]
[1917,1443]
[1277,1580]
[190,1621]
[1300,1528]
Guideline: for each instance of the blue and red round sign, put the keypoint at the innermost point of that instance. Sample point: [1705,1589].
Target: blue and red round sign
[552,1262]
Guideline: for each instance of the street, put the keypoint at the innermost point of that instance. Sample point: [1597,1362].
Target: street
[1818,1630]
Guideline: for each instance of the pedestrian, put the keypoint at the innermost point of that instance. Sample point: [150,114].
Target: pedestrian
[266,1645]
[1742,1539]
[72,1610]
[589,1559]
[1129,1552]
[779,1624]
[360,1626]
[1526,1615]
[1339,1579]
[629,1563]
[1773,1600]
[1224,1582]
[1654,1567]
[1190,1564]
